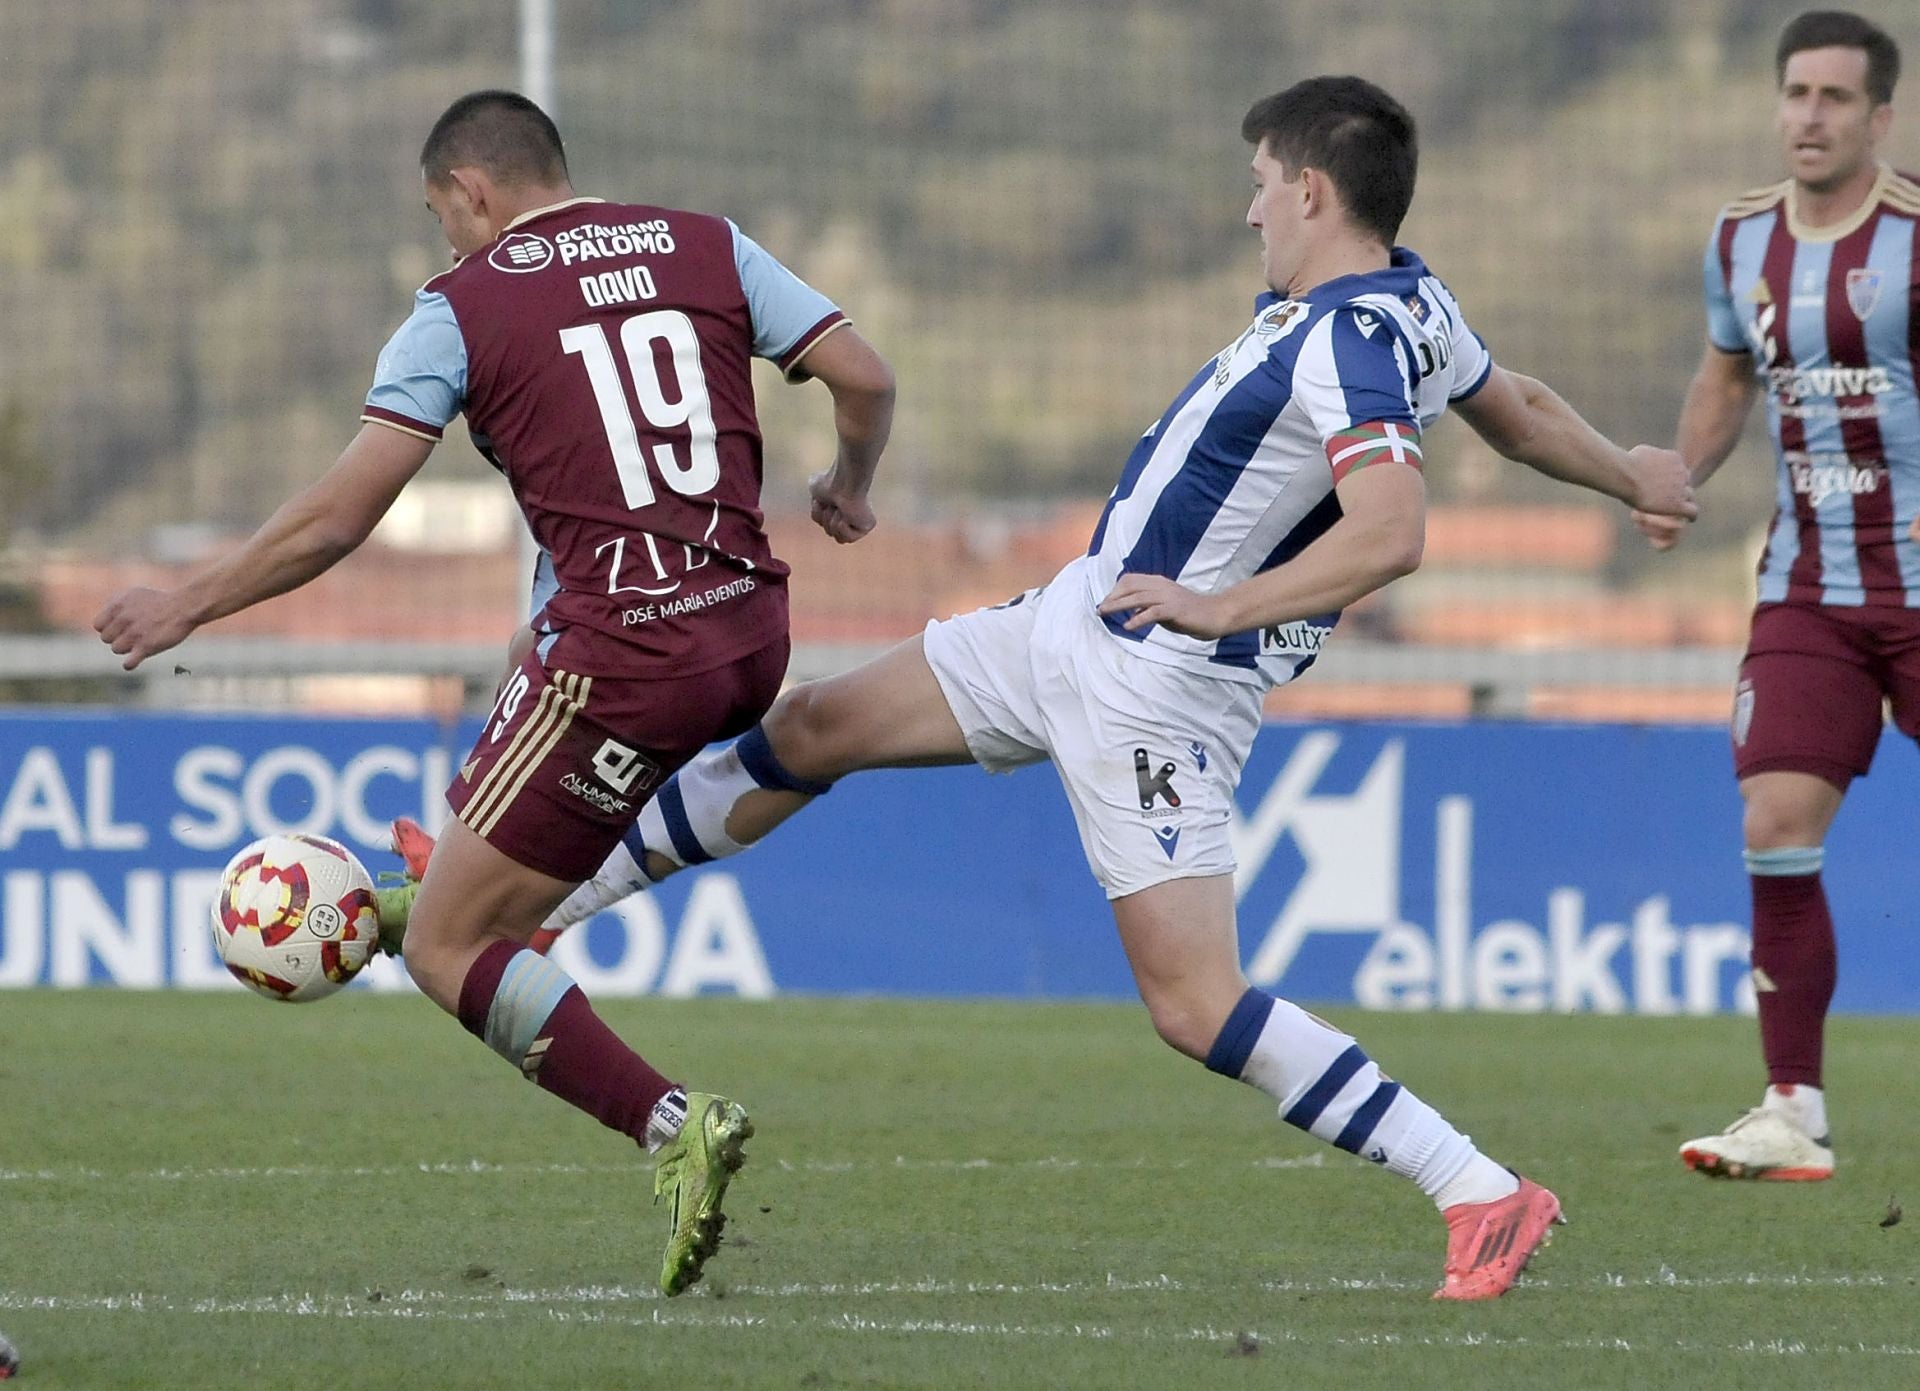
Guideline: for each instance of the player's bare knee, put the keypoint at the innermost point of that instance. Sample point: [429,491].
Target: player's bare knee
[1772,822]
[806,728]
[1182,1025]
[421,950]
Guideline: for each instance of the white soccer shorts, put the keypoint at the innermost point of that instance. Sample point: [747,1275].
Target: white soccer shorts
[1149,753]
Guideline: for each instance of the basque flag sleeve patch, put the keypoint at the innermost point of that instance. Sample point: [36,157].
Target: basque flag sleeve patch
[1376,442]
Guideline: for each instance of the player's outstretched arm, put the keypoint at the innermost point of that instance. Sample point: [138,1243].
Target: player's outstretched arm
[862,387]
[1527,422]
[1379,538]
[1719,398]
[308,534]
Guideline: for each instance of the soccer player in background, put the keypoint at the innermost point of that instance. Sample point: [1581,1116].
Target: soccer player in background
[1283,483]
[1812,300]
[600,353]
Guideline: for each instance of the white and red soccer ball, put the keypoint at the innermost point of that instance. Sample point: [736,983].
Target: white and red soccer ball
[295,917]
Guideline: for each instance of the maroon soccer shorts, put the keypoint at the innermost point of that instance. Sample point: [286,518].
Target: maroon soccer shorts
[1813,687]
[566,760]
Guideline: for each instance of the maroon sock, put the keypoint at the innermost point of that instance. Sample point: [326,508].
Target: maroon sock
[1794,966]
[572,1053]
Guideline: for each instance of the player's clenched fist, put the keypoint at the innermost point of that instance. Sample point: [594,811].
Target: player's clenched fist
[844,515]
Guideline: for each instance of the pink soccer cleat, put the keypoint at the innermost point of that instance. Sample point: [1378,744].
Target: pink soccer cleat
[1489,1244]
[412,844]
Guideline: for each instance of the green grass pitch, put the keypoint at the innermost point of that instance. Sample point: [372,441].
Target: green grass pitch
[212,1191]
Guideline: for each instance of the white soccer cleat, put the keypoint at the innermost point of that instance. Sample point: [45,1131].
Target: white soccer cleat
[1763,1144]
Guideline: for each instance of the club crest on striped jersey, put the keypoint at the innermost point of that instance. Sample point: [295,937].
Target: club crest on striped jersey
[1863,290]
[1275,322]
[1270,324]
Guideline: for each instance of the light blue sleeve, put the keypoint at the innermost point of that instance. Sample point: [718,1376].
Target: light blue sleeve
[546,584]
[420,380]
[1723,323]
[784,307]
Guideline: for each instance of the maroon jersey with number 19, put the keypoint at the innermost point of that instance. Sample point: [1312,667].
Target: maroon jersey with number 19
[601,354]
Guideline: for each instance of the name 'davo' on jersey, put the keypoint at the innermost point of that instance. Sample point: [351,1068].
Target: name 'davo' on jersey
[601,353]
[1831,317]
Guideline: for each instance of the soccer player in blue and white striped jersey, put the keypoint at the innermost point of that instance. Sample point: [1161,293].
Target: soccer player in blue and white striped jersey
[1283,483]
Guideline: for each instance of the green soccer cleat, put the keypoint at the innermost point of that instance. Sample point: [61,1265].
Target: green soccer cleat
[393,904]
[695,1168]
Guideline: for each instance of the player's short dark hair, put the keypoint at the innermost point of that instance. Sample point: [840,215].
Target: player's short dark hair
[1843,29]
[1351,131]
[500,132]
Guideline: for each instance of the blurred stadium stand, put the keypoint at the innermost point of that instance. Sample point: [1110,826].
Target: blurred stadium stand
[210,220]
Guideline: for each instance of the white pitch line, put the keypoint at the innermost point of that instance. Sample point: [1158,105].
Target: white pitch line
[344,1307]
[1117,1284]
[478,1167]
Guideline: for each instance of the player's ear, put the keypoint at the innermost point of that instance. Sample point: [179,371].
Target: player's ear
[1315,193]
[469,187]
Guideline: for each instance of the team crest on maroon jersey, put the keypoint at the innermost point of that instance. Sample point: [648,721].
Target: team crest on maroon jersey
[519,253]
[1863,291]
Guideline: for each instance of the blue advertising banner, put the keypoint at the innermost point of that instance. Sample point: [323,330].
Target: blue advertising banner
[1478,866]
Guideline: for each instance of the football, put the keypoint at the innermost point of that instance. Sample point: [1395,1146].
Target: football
[294,919]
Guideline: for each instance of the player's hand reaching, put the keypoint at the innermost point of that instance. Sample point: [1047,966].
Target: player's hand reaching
[1663,502]
[1663,486]
[1157,599]
[137,623]
[844,515]
[1913,531]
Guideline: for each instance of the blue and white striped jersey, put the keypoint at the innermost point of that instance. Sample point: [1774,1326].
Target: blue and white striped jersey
[1238,475]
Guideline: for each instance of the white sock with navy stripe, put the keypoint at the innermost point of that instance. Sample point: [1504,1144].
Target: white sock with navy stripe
[687,819]
[685,822]
[1326,1085]
[620,877]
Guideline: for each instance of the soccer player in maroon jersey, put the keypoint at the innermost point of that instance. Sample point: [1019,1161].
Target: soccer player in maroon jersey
[600,353]
[1812,300]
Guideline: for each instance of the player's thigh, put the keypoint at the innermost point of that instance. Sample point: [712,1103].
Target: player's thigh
[473,885]
[889,713]
[1807,701]
[959,692]
[1150,756]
